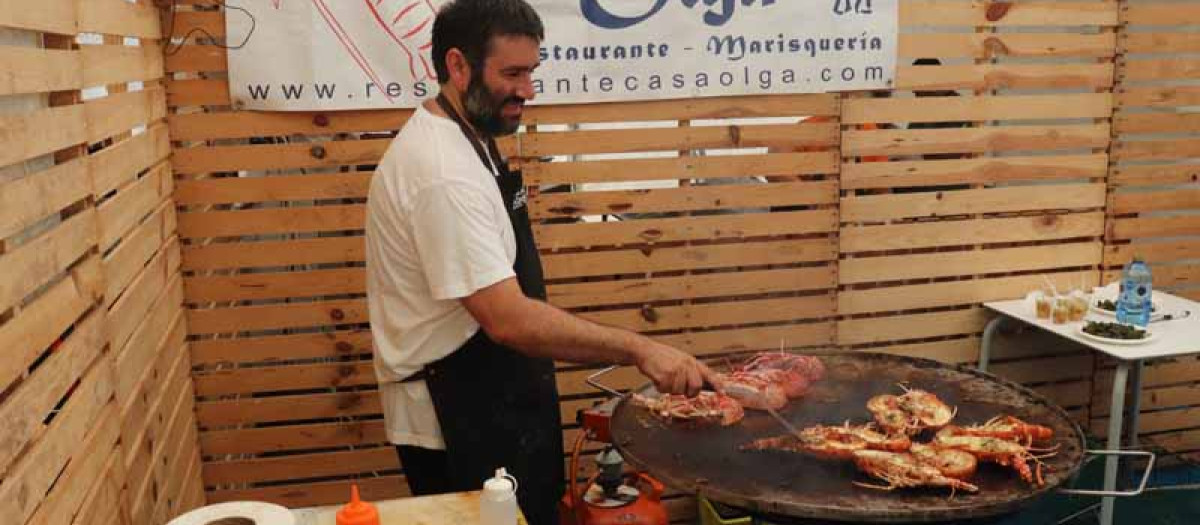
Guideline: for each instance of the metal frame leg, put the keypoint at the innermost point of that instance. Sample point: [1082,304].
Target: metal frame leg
[1116,414]
[1135,389]
[985,346]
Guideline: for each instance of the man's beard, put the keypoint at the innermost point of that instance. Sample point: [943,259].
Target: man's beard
[483,109]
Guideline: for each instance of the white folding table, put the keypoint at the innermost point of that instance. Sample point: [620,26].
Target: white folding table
[1174,337]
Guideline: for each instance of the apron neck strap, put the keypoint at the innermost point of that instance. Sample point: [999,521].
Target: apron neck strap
[490,158]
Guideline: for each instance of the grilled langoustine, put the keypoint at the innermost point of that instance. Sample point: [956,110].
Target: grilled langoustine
[1009,428]
[833,442]
[902,470]
[910,412]
[997,450]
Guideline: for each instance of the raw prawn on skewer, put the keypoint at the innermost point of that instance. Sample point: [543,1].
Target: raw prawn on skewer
[706,407]
[754,391]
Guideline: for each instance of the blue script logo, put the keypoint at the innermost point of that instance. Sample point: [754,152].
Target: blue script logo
[717,16]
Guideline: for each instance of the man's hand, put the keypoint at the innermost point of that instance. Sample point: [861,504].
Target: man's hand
[674,371]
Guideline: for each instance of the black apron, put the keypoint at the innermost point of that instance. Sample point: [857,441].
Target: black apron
[496,406]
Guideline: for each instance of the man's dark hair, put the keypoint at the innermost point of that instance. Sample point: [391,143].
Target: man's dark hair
[470,25]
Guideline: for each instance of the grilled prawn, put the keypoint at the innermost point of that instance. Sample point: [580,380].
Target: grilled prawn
[997,450]
[901,470]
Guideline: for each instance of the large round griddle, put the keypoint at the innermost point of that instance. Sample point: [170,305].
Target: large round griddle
[706,459]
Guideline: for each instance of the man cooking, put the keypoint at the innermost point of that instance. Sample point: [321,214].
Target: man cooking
[464,344]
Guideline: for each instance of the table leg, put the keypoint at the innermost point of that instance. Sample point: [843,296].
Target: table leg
[985,346]
[1116,413]
[1135,389]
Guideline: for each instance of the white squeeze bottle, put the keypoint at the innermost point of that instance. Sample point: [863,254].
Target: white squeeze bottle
[498,503]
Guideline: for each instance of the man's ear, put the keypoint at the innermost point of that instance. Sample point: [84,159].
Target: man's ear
[459,69]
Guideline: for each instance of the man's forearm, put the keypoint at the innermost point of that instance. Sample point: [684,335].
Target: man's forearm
[542,330]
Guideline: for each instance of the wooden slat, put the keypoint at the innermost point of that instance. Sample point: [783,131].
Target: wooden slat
[146,358]
[269,189]
[981,139]
[51,16]
[918,326]
[125,262]
[104,503]
[1155,174]
[148,471]
[35,263]
[40,323]
[1168,199]
[1156,149]
[123,161]
[283,408]
[558,236]
[989,45]
[716,314]
[931,295]
[145,415]
[26,409]
[47,456]
[978,108]
[752,194]
[1120,254]
[205,159]
[104,65]
[757,338]
[211,22]
[980,13]
[121,112]
[197,92]
[1138,70]
[119,17]
[1004,76]
[274,253]
[86,454]
[119,215]
[961,350]
[1049,369]
[244,124]
[1162,13]
[191,58]
[970,262]
[686,109]
[1155,227]
[867,208]
[292,437]
[628,291]
[676,138]
[680,168]
[659,259]
[285,377]
[980,231]
[26,200]
[970,171]
[1156,122]
[310,465]
[1178,42]
[294,315]
[128,312]
[1158,97]
[272,220]
[279,348]
[41,70]
[321,493]
[1154,399]
[29,135]
[276,285]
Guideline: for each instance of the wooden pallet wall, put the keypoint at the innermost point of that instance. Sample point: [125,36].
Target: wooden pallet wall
[889,220]
[95,391]
[1154,196]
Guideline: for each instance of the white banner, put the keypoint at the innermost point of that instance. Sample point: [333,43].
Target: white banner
[294,55]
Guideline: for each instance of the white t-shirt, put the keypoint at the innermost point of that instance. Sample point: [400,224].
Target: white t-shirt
[437,231]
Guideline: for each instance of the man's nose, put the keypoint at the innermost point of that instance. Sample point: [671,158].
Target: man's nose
[525,89]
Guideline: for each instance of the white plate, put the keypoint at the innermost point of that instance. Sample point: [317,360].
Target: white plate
[1150,336]
[1157,314]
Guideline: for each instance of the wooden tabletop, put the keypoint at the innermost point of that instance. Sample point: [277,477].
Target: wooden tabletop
[447,509]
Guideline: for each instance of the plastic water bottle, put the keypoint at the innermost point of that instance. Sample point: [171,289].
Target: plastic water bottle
[1135,303]
[498,503]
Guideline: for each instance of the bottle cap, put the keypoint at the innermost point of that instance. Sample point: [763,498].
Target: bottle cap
[357,512]
[501,483]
